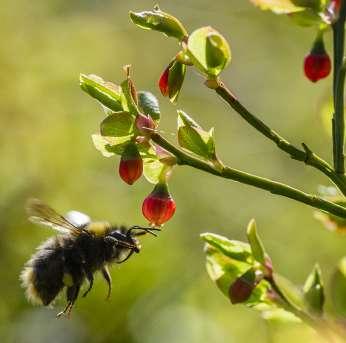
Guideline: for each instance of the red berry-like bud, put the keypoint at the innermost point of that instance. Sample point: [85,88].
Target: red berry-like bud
[144,124]
[163,82]
[317,67]
[131,164]
[159,206]
[317,63]
[171,80]
[242,287]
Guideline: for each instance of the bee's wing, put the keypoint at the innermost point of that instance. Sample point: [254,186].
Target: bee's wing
[78,219]
[41,213]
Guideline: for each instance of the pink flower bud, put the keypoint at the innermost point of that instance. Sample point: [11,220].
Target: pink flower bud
[131,164]
[144,124]
[159,206]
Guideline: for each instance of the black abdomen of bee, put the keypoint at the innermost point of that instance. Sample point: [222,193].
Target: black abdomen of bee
[61,261]
[47,272]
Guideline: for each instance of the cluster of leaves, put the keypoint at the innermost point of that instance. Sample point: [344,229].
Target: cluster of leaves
[131,119]
[244,273]
[133,116]
[205,49]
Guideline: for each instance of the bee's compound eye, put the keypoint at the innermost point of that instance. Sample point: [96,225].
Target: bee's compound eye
[111,240]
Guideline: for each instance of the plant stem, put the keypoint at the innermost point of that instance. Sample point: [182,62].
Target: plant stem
[306,155]
[320,325]
[338,123]
[249,179]
[305,317]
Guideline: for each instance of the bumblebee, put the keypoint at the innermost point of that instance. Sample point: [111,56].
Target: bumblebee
[79,250]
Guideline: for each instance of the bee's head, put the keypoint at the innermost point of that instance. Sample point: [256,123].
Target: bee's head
[121,244]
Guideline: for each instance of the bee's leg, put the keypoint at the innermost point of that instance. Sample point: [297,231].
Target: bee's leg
[108,278]
[71,295]
[90,278]
[127,257]
[64,310]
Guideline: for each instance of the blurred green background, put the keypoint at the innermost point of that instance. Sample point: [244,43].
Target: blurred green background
[163,294]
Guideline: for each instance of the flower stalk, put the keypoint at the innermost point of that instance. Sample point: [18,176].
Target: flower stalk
[273,187]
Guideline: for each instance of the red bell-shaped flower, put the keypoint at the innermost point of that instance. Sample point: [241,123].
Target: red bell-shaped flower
[159,206]
[317,64]
[131,164]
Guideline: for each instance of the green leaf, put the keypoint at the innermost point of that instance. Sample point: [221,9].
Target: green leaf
[176,78]
[233,249]
[224,270]
[129,97]
[278,315]
[194,139]
[149,104]
[208,50]
[184,119]
[152,169]
[338,289]
[306,18]
[107,93]
[108,146]
[277,6]
[146,151]
[183,57]
[314,291]
[260,295]
[159,21]
[317,5]
[292,293]
[256,244]
[117,125]
[100,143]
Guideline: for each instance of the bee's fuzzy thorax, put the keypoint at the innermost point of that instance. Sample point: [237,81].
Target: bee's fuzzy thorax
[99,229]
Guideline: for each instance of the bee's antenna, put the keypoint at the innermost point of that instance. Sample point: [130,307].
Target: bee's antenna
[143,230]
[121,243]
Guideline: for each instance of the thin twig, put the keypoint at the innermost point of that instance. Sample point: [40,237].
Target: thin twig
[305,155]
[249,179]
